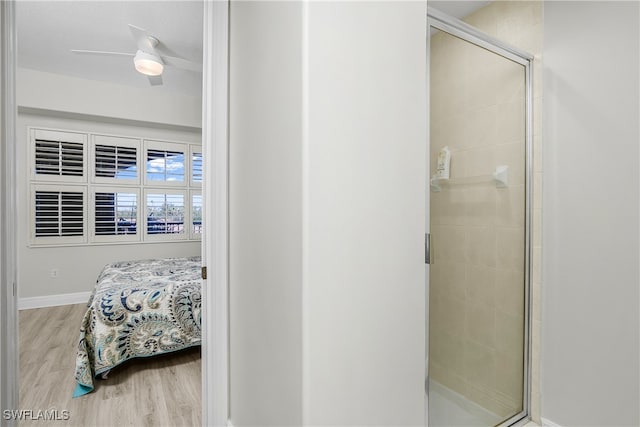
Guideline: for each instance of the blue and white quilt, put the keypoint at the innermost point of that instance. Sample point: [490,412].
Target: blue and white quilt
[138,309]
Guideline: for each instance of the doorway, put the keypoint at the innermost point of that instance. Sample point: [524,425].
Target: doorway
[214,131]
[479,221]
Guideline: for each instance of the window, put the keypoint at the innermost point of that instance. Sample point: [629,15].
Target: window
[116,214]
[161,203]
[59,156]
[115,159]
[58,214]
[196,215]
[165,163]
[196,166]
[165,214]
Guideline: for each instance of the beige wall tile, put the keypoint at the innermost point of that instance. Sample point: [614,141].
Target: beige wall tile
[510,291]
[480,205]
[510,207]
[480,246]
[480,285]
[510,248]
[479,365]
[512,155]
[511,121]
[481,325]
[447,241]
[480,127]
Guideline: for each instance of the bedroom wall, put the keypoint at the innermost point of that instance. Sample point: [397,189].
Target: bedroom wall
[55,92]
[590,319]
[41,104]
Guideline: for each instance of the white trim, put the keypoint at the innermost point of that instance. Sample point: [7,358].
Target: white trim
[53,300]
[215,192]
[306,353]
[548,423]
[9,384]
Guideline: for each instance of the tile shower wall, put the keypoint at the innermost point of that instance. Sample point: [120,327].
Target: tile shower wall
[477,294]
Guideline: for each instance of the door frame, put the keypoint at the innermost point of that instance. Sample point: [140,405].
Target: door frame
[215,191]
[8,285]
[215,373]
[464,31]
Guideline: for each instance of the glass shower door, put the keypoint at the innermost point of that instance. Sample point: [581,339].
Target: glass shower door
[478,222]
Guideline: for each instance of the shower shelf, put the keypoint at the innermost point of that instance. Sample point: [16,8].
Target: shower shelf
[499,177]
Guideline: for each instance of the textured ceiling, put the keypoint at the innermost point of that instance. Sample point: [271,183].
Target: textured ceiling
[48,30]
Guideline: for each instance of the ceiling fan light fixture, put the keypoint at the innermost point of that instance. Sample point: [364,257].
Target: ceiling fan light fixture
[148,64]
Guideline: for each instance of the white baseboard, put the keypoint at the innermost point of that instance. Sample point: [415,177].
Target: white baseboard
[548,423]
[229,423]
[53,300]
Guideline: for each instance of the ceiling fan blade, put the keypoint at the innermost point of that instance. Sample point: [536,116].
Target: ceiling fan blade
[142,38]
[181,63]
[155,80]
[100,52]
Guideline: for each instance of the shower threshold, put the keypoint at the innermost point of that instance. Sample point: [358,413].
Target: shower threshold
[450,409]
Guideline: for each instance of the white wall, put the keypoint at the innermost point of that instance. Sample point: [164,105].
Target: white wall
[55,92]
[327,195]
[265,214]
[590,348]
[79,266]
[364,214]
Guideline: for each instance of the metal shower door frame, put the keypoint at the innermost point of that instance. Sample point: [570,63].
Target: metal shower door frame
[466,32]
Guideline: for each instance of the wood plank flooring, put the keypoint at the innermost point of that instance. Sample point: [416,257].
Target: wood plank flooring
[156,391]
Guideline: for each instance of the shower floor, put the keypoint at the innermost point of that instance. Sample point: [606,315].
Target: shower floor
[450,409]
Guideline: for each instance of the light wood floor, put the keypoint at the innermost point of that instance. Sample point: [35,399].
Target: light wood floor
[156,391]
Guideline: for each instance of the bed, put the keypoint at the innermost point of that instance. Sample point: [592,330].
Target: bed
[138,309]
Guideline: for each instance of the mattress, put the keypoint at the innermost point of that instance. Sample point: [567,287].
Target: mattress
[138,309]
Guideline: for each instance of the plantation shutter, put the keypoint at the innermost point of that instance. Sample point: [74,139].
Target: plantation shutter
[196,168]
[59,158]
[115,162]
[59,213]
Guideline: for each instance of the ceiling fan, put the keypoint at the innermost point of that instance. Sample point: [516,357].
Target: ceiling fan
[147,60]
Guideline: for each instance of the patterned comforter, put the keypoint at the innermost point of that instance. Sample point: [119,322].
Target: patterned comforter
[138,309]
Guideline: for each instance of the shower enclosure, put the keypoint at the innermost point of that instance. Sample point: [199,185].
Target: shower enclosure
[479,213]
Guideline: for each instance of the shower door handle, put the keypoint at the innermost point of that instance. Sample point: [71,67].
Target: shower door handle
[427,248]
